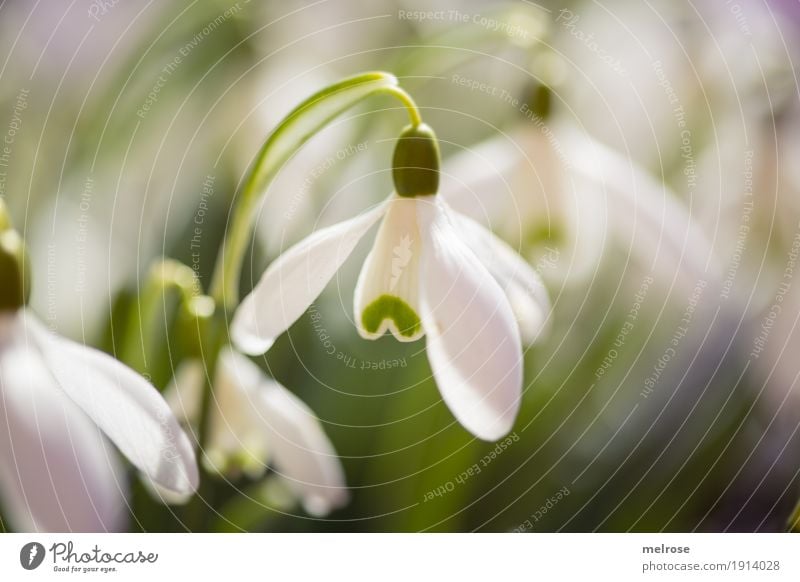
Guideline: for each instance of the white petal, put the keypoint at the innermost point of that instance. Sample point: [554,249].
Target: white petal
[646,216]
[473,340]
[236,439]
[524,288]
[387,293]
[585,236]
[491,166]
[184,394]
[124,405]
[163,495]
[57,471]
[532,191]
[294,280]
[299,450]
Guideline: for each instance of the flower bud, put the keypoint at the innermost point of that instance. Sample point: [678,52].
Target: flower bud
[539,100]
[415,166]
[15,288]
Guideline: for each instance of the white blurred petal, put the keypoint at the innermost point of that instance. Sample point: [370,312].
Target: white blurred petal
[163,495]
[522,184]
[184,394]
[645,215]
[492,166]
[294,280]
[57,471]
[300,450]
[473,340]
[236,439]
[298,447]
[124,405]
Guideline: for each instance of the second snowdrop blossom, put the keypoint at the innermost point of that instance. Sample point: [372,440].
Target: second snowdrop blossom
[431,272]
[255,421]
[60,404]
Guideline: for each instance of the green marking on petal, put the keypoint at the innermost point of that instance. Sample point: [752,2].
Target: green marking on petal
[543,233]
[390,307]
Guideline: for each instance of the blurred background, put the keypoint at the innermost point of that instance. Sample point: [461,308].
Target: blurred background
[642,156]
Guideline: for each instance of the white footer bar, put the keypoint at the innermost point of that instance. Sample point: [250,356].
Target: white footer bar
[401,557]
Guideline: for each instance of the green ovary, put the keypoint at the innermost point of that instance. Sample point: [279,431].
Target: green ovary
[394,308]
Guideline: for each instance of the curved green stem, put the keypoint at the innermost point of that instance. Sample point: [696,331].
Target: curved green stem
[164,276]
[300,125]
[413,112]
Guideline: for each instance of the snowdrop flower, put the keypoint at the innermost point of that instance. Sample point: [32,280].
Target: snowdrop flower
[254,422]
[553,178]
[431,272]
[536,204]
[60,403]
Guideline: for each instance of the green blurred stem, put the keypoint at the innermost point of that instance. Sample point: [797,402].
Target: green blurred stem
[164,277]
[213,342]
[794,521]
[300,125]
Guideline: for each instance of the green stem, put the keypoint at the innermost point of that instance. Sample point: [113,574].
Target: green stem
[213,339]
[794,521]
[216,338]
[300,125]
[411,107]
[164,276]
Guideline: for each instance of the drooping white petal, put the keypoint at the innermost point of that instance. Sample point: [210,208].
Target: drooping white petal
[236,439]
[294,280]
[644,214]
[165,496]
[586,232]
[524,288]
[387,293]
[498,165]
[298,448]
[473,340]
[184,393]
[124,405]
[301,452]
[523,186]
[57,471]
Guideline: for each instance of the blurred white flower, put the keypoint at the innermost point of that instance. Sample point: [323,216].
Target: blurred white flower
[520,185]
[585,195]
[59,402]
[431,272]
[254,421]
